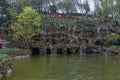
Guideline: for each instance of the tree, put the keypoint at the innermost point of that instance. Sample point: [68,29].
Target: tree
[69,7]
[28,25]
[3,6]
[53,9]
[105,10]
[98,9]
[113,39]
[80,6]
[12,13]
[87,9]
[60,7]
[37,4]
[116,12]
[4,15]
[66,7]
[110,11]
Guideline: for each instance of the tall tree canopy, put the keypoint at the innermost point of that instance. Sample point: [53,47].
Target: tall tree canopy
[4,14]
[111,8]
[53,9]
[66,7]
[3,6]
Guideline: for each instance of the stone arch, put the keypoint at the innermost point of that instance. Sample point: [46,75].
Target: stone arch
[77,50]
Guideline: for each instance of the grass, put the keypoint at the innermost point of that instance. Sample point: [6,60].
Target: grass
[72,21]
[7,50]
[4,53]
[60,20]
[45,18]
[114,47]
[3,57]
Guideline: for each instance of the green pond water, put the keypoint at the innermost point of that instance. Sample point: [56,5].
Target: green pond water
[72,67]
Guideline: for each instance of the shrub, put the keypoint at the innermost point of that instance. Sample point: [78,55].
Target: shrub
[113,39]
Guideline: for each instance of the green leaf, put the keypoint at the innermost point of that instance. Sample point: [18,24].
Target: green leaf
[29,24]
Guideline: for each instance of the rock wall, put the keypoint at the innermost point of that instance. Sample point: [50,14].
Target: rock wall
[6,67]
[75,37]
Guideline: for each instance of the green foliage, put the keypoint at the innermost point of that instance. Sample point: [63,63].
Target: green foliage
[110,8]
[66,7]
[62,20]
[4,14]
[8,50]
[4,5]
[3,19]
[4,52]
[4,57]
[113,39]
[28,25]
[105,10]
[53,8]
[12,12]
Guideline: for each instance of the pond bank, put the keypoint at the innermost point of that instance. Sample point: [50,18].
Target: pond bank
[14,53]
[20,54]
[6,65]
[6,59]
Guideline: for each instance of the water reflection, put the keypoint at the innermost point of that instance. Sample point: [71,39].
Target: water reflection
[72,67]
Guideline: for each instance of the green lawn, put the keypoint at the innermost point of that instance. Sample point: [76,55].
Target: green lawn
[45,18]
[7,50]
[3,57]
[4,53]
[60,20]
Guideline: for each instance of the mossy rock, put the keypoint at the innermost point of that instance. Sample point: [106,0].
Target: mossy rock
[4,57]
[113,39]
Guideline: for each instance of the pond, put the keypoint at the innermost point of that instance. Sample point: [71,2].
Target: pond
[67,67]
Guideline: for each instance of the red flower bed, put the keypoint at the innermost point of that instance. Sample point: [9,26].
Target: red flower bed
[62,16]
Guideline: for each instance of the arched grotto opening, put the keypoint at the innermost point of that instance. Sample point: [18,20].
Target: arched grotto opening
[48,51]
[35,51]
[68,51]
[59,51]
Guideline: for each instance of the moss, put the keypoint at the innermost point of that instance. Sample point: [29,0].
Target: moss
[7,50]
[4,53]
[4,57]
[15,52]
[113,39]
[114,47]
